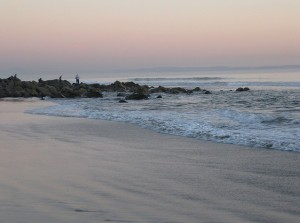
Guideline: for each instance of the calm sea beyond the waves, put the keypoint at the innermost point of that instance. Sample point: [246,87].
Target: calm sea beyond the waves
[267,116]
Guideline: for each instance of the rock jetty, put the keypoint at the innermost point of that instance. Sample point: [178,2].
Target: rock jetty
[14,87]
[58,88]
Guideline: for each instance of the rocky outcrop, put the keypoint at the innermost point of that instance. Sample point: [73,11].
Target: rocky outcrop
[174,90]
[93,93]
[123,87]
[122,101]
[242,89]
[58,88]
[197,89]
[137,96]
[14,87]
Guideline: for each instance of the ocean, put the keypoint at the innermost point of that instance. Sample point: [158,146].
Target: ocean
[267,116]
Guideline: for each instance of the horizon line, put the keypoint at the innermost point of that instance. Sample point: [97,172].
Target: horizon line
[295,67]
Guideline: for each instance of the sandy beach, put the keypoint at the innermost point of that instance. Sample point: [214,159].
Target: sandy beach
[71,170]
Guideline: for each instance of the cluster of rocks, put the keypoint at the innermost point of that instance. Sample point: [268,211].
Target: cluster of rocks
[243,89]
[57,88]
[14,87]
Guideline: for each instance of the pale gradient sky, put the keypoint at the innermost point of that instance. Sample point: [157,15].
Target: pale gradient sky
[95,35]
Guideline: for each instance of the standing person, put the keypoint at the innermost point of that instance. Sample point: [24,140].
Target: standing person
[77,79]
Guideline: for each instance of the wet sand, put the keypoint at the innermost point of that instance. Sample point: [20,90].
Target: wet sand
[73,170]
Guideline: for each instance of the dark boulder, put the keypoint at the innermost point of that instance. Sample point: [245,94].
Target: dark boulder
[117,86]
[131,85]
[136,96]
[207,92]
[121,94]
[122,101]
[2,92]
[18,92]
[242,89]
[159,89]
[159,96]
[175,90]
[81,91]
[141,90]
[84,86]
[93,93]
[68,92]
[43,91]
[196,89]
[32,92]
[54,83]
[54,93]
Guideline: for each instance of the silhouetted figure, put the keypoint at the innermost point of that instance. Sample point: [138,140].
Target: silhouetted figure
[77,79]
[40,80]
[60,77]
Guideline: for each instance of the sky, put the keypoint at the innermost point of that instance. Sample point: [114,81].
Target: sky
[82,36]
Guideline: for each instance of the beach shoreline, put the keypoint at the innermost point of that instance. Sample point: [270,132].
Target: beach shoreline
[58,169]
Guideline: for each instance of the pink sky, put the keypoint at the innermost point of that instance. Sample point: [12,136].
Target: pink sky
[94,35]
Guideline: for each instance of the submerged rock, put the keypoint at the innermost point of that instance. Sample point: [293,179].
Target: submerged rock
[136,96]
[175,90]
[121,94]
[196,89]
[243,89]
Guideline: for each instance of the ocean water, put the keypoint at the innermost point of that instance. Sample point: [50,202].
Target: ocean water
[267,116]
